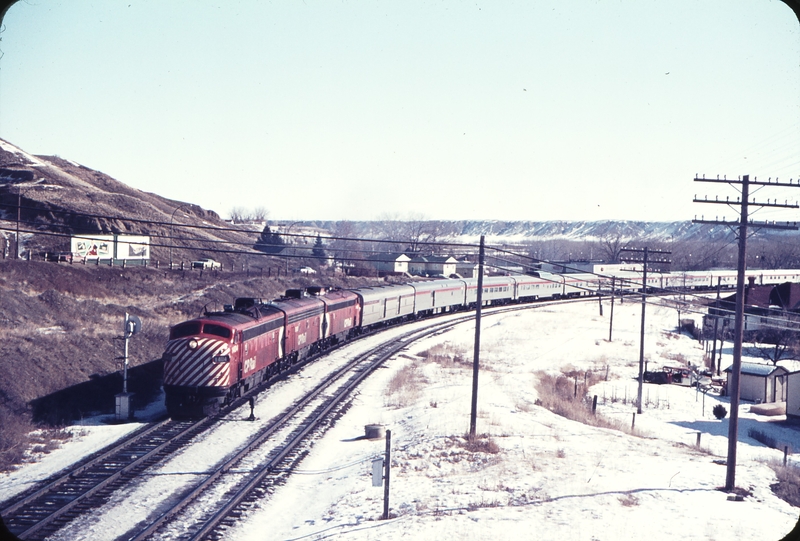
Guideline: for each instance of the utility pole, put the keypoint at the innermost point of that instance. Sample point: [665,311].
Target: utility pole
[744,203]
[476,354]
[645,251]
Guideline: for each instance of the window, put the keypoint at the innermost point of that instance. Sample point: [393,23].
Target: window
[217,330]
[185,329]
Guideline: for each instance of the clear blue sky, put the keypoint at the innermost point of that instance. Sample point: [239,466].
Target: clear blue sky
[529,110]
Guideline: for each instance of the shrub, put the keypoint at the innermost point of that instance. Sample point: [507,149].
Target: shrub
[479,444]
[764,438]
[14,437]
[719,411]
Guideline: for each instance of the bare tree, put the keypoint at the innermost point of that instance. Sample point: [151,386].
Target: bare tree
[260,214]
[342,247]
[781,254]
[610,246]
[238,214]
[417,230]
[775,344]
[392,228]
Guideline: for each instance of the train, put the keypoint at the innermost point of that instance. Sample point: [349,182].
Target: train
[213,359]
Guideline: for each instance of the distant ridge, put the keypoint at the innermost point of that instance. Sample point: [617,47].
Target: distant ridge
[521,232]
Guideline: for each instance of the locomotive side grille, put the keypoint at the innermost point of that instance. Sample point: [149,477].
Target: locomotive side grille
[194,368]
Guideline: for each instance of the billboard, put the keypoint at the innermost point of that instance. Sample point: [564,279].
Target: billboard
[133,247]
[111,247]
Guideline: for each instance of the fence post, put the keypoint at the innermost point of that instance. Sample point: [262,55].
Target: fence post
[594,405]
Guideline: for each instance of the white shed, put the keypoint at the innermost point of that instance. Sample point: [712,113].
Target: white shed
[761,382]
[390,263]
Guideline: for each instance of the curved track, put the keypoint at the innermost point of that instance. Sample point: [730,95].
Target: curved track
[255,468]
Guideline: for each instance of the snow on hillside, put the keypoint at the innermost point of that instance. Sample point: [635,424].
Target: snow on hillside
[520,232]
[544,476]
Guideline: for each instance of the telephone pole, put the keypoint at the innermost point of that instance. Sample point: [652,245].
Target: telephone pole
[644,251]
[744,204]
[473,417]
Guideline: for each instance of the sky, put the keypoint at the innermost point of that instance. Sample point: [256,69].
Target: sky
[361,110]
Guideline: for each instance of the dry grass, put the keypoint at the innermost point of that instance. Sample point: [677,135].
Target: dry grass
[558,394]
[448,355]
[788,486]
[14,437]
[629,500]
[677,357]
[479,444]
[405,387]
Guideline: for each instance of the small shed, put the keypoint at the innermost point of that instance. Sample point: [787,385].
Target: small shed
[433,265]
[761,382]
[390,263]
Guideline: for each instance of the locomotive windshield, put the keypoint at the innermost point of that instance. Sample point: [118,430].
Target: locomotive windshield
[193,328]
[217,330]
[183,330]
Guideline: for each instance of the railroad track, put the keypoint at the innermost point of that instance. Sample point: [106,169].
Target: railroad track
[281,444]
[242,480]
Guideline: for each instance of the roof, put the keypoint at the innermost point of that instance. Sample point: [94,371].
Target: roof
[755,369]
[388,258]
[785,295]
[440,259]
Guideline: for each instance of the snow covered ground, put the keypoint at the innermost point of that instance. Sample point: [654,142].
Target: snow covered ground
[545,477]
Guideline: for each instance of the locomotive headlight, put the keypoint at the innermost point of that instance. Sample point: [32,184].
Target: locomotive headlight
[193,344]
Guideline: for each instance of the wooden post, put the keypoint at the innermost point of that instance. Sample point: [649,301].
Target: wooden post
[641,337]
[633,421]
[476,354]
[387,470]
[594,404]
[736,369]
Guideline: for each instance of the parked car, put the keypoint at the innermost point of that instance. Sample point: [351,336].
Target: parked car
[305,270]
[206,263]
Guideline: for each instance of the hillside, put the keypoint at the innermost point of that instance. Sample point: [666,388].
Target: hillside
[60,352]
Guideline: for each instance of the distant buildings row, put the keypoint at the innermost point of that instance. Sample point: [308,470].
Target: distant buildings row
[417,265]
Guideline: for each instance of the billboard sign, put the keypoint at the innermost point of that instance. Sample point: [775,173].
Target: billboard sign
[94,246]
[111,247]
[133,247]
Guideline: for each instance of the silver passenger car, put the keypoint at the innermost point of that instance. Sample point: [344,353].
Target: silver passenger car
[435,296]
[381,304]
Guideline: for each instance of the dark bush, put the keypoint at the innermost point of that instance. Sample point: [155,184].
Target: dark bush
[719,411]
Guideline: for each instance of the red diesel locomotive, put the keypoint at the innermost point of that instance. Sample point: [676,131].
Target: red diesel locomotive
[213,359]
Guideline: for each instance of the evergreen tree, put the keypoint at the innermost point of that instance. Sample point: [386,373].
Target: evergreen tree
[319,249]
[269,242]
